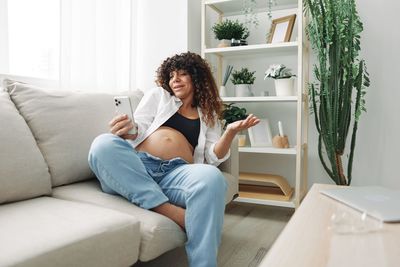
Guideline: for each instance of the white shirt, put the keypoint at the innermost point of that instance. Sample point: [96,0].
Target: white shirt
[156,107]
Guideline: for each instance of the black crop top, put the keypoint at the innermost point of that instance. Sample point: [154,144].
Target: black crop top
[188,127]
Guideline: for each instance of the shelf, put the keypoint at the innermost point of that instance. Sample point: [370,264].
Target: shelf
[260,99]
[257,49]
[268,150]
[235,7]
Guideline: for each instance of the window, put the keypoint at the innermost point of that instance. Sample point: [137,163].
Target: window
[84,45]
[33,38]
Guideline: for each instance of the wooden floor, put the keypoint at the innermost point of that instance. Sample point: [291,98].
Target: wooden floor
[249,231]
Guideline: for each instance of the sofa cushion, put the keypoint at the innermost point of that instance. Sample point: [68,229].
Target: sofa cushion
[64,124]
[52,232]
[23,171]
[158,233]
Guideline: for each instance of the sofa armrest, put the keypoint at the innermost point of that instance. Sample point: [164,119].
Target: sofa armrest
[231,165]
[231,172]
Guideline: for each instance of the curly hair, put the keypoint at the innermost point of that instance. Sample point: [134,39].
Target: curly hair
[206,94]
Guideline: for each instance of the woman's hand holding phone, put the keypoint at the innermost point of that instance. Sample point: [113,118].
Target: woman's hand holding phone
[121,125]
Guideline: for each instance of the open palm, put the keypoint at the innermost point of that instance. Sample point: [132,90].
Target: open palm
[241,125]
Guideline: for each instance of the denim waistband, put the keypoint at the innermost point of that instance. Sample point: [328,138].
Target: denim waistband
[158,167]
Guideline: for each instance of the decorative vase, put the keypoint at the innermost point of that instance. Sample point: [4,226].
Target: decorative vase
[222,91]
[284,87]
[224,43]
[243,90]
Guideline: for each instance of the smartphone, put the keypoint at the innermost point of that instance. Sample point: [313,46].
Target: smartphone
[123,106]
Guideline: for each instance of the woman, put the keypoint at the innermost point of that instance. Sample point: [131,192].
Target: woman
[178,132]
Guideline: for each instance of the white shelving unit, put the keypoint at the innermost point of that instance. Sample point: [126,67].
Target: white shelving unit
[297,48]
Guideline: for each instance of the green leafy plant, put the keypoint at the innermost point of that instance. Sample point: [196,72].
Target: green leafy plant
[232,113]
[341,81]
[229,29]
[278,71]
[243,76]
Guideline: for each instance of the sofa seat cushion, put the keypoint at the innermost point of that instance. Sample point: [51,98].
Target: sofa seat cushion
[158,233]
[64,124]
[23,171]
[51,232]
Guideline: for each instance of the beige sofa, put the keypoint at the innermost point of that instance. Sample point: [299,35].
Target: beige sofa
[52,211]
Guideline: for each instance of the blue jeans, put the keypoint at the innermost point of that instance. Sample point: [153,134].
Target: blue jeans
[148,182]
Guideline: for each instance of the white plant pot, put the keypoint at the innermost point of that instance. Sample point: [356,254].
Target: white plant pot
[284,87]
[224,43]
[243,90]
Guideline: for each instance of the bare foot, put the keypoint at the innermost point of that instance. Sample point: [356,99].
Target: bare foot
[175,213]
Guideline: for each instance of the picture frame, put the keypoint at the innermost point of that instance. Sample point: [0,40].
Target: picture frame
[281,29]
[260,134]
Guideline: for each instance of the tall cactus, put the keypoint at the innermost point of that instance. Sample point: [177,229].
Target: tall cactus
[334,29]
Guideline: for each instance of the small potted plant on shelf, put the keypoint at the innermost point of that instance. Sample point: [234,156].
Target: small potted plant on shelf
[232,113]
[243,80]
[230,32]
[284,82]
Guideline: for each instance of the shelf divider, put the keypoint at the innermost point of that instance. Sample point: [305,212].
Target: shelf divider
[255,49]
[279,203]
[235,7]
[268,150]
[260,99]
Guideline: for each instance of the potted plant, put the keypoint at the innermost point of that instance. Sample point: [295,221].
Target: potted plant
[243,79]
[232,113]
[337,96]
[230,30]
[284,82]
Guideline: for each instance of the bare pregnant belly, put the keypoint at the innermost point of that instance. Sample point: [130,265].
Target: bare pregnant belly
[167,143]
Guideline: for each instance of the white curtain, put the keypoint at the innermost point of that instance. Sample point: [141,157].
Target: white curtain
[97,45]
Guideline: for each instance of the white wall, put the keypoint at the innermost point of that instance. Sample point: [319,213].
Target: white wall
[3,41]
[194,26]
[164,29]
[389,74]
[378,144]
